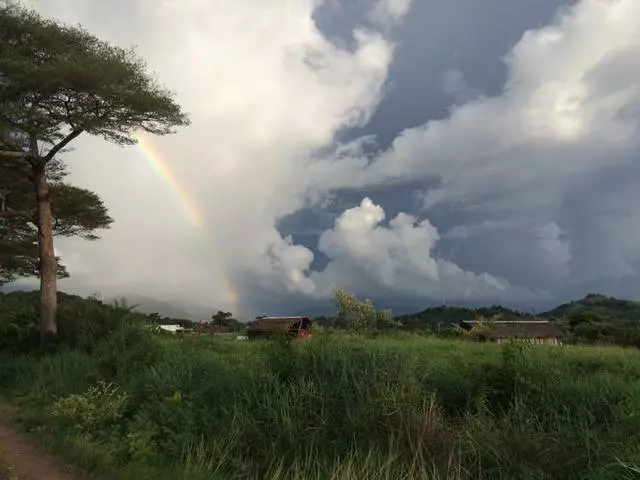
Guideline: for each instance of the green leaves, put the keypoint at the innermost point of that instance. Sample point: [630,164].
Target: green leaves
[76,212]
[359,315]
[57,81]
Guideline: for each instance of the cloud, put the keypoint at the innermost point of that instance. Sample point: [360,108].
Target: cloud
[265,89]
[389,12]
[455,86]
[536,155]
[537,184]
[398,259]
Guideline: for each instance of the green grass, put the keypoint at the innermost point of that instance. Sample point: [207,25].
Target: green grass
[335,407]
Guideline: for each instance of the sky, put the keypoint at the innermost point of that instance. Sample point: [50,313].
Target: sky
[413,153]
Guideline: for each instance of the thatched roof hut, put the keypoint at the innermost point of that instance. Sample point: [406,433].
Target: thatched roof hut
[536,331]
[264,327]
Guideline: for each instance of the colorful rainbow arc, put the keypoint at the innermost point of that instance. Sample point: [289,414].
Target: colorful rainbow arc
[193,213]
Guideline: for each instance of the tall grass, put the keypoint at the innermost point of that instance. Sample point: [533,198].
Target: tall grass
[336,408]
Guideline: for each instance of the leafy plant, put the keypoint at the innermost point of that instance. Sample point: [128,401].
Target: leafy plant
[100,405]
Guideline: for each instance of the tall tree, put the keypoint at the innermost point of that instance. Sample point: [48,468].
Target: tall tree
[359,315]
[56,83]
[75,212]
[222,319]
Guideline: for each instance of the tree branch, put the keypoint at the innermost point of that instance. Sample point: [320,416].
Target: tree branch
[13,154]
[63,143]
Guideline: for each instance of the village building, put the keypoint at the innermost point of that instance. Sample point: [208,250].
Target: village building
[265,327]
[500,331]
[172,328]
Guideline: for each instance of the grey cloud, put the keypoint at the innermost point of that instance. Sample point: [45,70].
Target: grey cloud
[536,156]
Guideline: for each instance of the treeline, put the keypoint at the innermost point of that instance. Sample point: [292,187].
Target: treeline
[595,319]
[220,319]
[83,322]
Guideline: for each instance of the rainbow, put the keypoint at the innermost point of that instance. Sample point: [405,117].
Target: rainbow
[193,213]
[191,209]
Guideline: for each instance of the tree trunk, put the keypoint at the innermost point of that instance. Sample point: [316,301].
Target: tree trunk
[48,265]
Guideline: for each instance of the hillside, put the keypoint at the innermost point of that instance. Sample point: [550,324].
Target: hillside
[597,306]
[444,316]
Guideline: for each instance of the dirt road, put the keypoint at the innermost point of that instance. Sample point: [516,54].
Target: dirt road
[21,459]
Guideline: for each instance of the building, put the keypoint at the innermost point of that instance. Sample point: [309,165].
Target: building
[172,328]
[265,327]
[500,331]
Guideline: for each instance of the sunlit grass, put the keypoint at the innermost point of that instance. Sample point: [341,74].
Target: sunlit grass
[347,407]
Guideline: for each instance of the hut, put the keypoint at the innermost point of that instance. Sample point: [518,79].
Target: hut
[172,328]
[265,327]
[500,331]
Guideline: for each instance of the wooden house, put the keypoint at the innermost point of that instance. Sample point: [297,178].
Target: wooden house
[265,327]
[500,331]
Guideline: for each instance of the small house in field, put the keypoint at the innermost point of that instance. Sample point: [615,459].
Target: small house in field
[265,327]
[500,331]
[172,328]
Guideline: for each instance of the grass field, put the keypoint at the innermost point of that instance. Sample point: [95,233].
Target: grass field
[335,407]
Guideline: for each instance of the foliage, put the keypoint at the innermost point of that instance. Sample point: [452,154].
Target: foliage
[224,319]
[360,316]
[482,331]
[100,405]
[338,406]
[443,316]
[597,319]
[57,82]
[123,402]
[84,323]
[76,212]
[59,79]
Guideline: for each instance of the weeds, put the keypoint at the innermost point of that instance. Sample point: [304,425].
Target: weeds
[139,405]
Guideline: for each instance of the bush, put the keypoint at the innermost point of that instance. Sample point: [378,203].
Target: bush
[83,324]
[333,406]
[101,405]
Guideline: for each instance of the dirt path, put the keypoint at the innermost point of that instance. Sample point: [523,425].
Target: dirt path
[20,459]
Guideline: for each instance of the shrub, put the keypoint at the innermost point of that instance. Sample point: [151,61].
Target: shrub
[101,405]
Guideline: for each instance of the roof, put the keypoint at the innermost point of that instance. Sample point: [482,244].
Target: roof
[171,328]
[521,328]
[275,323]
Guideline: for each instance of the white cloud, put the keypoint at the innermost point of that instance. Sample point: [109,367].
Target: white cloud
[389,12]
[570,107]
[455,86]
[398,259]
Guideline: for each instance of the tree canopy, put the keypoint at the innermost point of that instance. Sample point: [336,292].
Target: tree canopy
[57,82]
[76,212]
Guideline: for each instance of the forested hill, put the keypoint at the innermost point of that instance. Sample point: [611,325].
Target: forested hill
[595,319]
[597,307]
[592,307]
[444,315]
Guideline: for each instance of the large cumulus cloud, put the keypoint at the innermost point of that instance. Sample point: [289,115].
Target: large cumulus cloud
[399,259]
